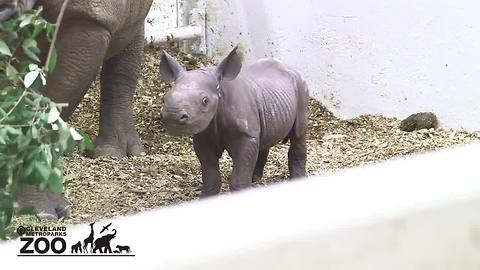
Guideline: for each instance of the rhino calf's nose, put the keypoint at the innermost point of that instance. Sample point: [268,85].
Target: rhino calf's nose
[180,117]
[183,118]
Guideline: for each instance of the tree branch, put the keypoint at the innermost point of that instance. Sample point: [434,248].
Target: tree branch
[54,39]
[14,106]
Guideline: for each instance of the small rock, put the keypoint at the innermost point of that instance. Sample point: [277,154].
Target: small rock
[123,176]
[423,120]
[334,136]
[138,191]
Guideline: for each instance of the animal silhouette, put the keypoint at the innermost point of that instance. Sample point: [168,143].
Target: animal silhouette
[123,248]
[89,240]
[104,242]
[105,228]
[116,251]
[77,247]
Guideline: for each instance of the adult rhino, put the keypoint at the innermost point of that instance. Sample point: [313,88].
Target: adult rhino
[93,34]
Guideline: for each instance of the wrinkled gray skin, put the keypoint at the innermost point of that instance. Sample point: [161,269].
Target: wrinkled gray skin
[94,33]
[244,111]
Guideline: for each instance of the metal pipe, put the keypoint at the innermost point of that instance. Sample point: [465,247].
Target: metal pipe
[193,33]
[181,33]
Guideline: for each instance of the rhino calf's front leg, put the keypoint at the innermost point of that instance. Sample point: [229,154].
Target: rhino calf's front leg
[211,180]
[244,153]
[208,157]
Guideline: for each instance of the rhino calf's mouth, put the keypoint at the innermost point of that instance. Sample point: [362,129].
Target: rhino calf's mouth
[180,124]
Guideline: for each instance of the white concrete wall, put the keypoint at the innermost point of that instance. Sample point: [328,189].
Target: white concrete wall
[416,213]
[373,56]
[162,15]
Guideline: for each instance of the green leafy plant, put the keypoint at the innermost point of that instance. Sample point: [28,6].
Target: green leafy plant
[32,135]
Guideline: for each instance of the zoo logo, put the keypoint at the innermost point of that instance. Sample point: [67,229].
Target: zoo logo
[101,244]
[90,246]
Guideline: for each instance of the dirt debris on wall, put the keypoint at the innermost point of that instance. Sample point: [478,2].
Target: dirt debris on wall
[169,173]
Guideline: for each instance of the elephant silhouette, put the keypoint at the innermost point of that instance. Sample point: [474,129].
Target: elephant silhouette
[104,242]
[77,247]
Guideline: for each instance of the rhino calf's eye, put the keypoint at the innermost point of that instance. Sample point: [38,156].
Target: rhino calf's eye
[205,101]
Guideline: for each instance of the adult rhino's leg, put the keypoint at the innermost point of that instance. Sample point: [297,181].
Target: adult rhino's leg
[47,204]
[81,48]
[117,135]
[261,161]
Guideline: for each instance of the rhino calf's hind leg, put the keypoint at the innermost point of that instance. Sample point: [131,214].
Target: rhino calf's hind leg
[297,157]
[117,135]
[297,153]
[261,161]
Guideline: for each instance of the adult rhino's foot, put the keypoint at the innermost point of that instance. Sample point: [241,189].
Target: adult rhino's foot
[48,205]
[117,143]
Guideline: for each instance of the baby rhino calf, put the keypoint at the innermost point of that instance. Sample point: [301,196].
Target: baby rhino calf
[244,111]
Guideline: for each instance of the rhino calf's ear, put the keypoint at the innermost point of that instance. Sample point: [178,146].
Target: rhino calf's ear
[229,68]
[170,69]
